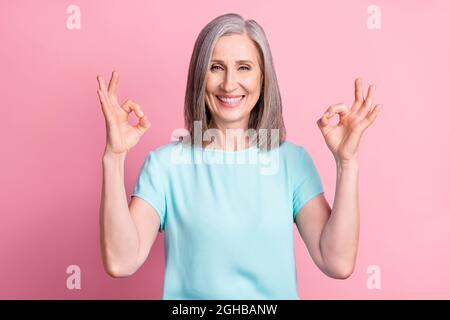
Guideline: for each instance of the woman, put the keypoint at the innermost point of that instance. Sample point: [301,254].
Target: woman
[229,225]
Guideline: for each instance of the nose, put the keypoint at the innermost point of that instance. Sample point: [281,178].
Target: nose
[229,83]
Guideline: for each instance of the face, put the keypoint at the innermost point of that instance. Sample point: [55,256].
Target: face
[234,81]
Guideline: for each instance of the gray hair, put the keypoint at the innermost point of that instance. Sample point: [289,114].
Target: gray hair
[267,113]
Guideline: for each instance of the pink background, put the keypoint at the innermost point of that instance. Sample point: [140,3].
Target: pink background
[53,131]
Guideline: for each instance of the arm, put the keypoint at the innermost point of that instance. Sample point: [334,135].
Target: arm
[127,232]
[331,236]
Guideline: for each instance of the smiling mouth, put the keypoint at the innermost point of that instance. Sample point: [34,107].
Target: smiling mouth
[230,102]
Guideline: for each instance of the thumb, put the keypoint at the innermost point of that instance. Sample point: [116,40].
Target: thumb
[143,124]
[324,120]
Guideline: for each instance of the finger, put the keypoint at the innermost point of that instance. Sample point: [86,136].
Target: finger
[362,112]
[358,90]
[371,116]
[102,98]
[359,97]
[130,106]
[102,84]
[143,124]
[338,108]
[104,104]
[103,88]
[112,87]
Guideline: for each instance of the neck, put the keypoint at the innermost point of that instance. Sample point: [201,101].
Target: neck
[228,137]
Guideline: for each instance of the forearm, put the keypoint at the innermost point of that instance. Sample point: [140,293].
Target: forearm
[339,238]
[119,236]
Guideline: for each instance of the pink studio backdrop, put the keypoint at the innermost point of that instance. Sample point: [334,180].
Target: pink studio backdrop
[53,132]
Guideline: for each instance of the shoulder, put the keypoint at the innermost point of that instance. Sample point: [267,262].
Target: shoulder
[290,146]
[165,156]
[164,151]
[298,159]
[292,150]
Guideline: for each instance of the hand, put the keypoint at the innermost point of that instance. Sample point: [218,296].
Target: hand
[121,136]
[343,139]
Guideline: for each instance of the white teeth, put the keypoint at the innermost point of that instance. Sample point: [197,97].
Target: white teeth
[230,100]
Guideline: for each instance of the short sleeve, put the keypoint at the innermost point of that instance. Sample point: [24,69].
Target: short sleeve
[149,187]
[307,182]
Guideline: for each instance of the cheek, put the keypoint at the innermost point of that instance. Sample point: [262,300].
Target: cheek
[252,84]
[212,82]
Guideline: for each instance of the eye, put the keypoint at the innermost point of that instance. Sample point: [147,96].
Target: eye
[214,67]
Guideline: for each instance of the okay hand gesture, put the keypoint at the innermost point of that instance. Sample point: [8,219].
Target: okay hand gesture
[121,136]
[343,139]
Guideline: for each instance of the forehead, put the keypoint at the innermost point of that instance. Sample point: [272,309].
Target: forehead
[235,47]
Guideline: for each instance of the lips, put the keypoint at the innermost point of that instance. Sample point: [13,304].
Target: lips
[230,101]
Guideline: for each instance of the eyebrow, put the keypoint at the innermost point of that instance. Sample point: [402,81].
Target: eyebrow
[237,62]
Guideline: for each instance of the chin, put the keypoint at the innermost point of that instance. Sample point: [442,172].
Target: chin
[230,119]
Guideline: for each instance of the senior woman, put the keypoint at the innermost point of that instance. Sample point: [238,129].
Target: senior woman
[228,224]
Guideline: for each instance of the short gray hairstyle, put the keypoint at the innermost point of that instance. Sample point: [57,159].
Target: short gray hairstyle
[267,113]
